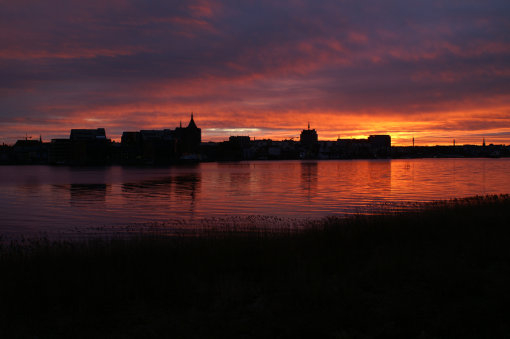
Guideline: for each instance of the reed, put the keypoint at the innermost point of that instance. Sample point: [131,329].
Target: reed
[439,271]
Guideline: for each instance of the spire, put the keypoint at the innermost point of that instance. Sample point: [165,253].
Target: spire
[308,124]
[483,142]
[192,122]
[180,123]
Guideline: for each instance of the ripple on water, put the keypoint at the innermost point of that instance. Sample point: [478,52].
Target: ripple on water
[57,200]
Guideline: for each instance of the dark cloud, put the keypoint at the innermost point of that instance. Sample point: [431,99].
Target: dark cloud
[243,62]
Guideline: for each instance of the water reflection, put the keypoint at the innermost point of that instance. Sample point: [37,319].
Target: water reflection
[379,178]
[187,187]
[35,195]
[179,192]
[239,175]
[84,193]
[309,178]
[182,185]
[88,192]
[148,188]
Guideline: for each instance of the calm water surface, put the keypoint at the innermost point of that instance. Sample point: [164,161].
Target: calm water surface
[44,199]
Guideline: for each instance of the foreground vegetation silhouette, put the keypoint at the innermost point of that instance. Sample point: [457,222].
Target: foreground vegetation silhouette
[440,272]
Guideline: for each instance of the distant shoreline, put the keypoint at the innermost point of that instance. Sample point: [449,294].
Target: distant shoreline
[104,152]
[183,163]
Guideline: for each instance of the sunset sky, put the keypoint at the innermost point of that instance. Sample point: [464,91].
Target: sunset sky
[435,70]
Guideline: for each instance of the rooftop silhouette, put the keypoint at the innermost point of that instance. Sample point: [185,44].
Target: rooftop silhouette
[184,144]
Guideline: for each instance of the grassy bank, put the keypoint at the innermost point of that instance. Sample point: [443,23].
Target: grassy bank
[443,272]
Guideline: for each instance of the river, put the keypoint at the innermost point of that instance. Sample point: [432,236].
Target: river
[46,200]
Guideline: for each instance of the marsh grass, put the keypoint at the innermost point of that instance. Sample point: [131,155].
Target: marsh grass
[439,271]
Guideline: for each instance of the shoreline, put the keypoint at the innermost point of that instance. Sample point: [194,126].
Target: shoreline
[192,163]
[438,272]
[242,224]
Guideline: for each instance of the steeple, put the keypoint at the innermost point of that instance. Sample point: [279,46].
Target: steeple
[192,122]
[308,124]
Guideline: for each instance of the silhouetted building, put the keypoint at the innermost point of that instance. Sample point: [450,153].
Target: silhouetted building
[308,137]
[379,141]
[130,138]
[327,150]
[6,154]
[353,148]
[131,147]
[162,146]
[243,141]
[60,151]
[236,148]
[88,134]
[30,152]
[289,149]
[89,147]
[158,146]
[189,139]
[309,143]
[380,145]
[375,146]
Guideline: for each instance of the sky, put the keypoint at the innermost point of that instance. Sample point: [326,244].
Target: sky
[432,70]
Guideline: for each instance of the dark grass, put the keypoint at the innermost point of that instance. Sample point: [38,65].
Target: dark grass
[441,272]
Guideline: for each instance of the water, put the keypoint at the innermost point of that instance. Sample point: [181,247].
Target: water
[63,200]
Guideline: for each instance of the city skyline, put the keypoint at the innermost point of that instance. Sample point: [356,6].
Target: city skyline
[244,133]
[432,71]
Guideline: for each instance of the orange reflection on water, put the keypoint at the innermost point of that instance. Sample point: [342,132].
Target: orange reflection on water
[60,199]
